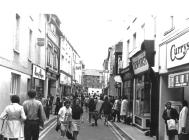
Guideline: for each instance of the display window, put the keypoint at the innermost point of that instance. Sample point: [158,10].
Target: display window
[39,85]
[128,91]
[142,95]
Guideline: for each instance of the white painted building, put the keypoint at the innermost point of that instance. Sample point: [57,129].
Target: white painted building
[19,50]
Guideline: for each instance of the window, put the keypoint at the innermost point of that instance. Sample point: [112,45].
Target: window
[55,59]
[15,84]
[53,29]
[49,55]
[30,43]
[17,34]
[128,45]
[143,30]
[134,40]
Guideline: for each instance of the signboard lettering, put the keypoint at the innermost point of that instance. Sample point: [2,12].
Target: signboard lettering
[177,51]
[178,79]
[38,72]
[140,63]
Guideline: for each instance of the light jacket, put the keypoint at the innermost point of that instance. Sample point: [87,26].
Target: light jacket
[13,125]
[183,120]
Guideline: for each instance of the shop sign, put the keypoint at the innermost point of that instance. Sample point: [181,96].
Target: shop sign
[64,79]
[140,63]
[178,51]
[40,41]
[38,72]
[178,79]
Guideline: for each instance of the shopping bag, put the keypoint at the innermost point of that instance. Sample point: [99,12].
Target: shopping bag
[171,124]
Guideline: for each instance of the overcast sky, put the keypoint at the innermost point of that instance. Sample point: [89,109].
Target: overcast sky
[92,26]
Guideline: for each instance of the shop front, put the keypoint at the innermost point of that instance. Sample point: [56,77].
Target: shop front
[65,85]
[175,82]
[52,84]
[38,81]
[145,85]
[127,86]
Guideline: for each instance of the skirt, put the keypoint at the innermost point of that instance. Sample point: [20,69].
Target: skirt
[76,125]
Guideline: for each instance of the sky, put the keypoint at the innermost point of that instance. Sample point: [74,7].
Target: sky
[92,26]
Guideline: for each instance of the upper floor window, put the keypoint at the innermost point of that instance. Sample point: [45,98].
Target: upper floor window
[134,41]
[49,55]
[53,28]
[143,31]
[30,43]
[128,45]
[55,59]
[17,34]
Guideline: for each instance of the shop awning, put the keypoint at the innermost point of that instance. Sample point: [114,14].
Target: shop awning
[117,78]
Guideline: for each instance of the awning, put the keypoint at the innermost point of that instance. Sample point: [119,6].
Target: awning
[117,78]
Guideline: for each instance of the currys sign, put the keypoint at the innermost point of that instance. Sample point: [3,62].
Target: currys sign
[177,51]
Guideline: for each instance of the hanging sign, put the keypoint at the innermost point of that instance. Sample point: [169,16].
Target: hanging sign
[140,63]
[178,79]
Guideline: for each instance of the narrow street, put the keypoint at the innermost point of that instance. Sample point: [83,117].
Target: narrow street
[87,132]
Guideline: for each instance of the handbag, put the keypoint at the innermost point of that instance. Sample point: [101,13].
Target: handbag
[58,126]
[69,134]
[1,135]
[171,124]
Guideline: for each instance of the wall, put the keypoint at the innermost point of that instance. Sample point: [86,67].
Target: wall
[5,83]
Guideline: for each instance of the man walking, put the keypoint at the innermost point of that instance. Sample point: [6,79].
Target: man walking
[34,116]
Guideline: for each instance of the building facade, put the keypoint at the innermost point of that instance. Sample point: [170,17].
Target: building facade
[174,64]
[140,81]
[92,80]
[21,64]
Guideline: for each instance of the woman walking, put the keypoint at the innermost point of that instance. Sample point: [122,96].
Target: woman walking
[106,108]
[77,117]
[14,115]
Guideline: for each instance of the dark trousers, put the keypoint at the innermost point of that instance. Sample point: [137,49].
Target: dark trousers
[11,139]
[116,113]
[31,130]
[90,116]
[47,112]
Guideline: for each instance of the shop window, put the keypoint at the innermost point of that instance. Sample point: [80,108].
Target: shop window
[15,84]
[142,96]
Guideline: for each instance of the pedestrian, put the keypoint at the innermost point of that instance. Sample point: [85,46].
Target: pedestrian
[15,116]
[106,108]
[48,107]
[124,109]
[183,129]
[35,116]
[64,118]
[116,107]
[99,105]
[91,108]
[77,117]
[58,105]
[170,114]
